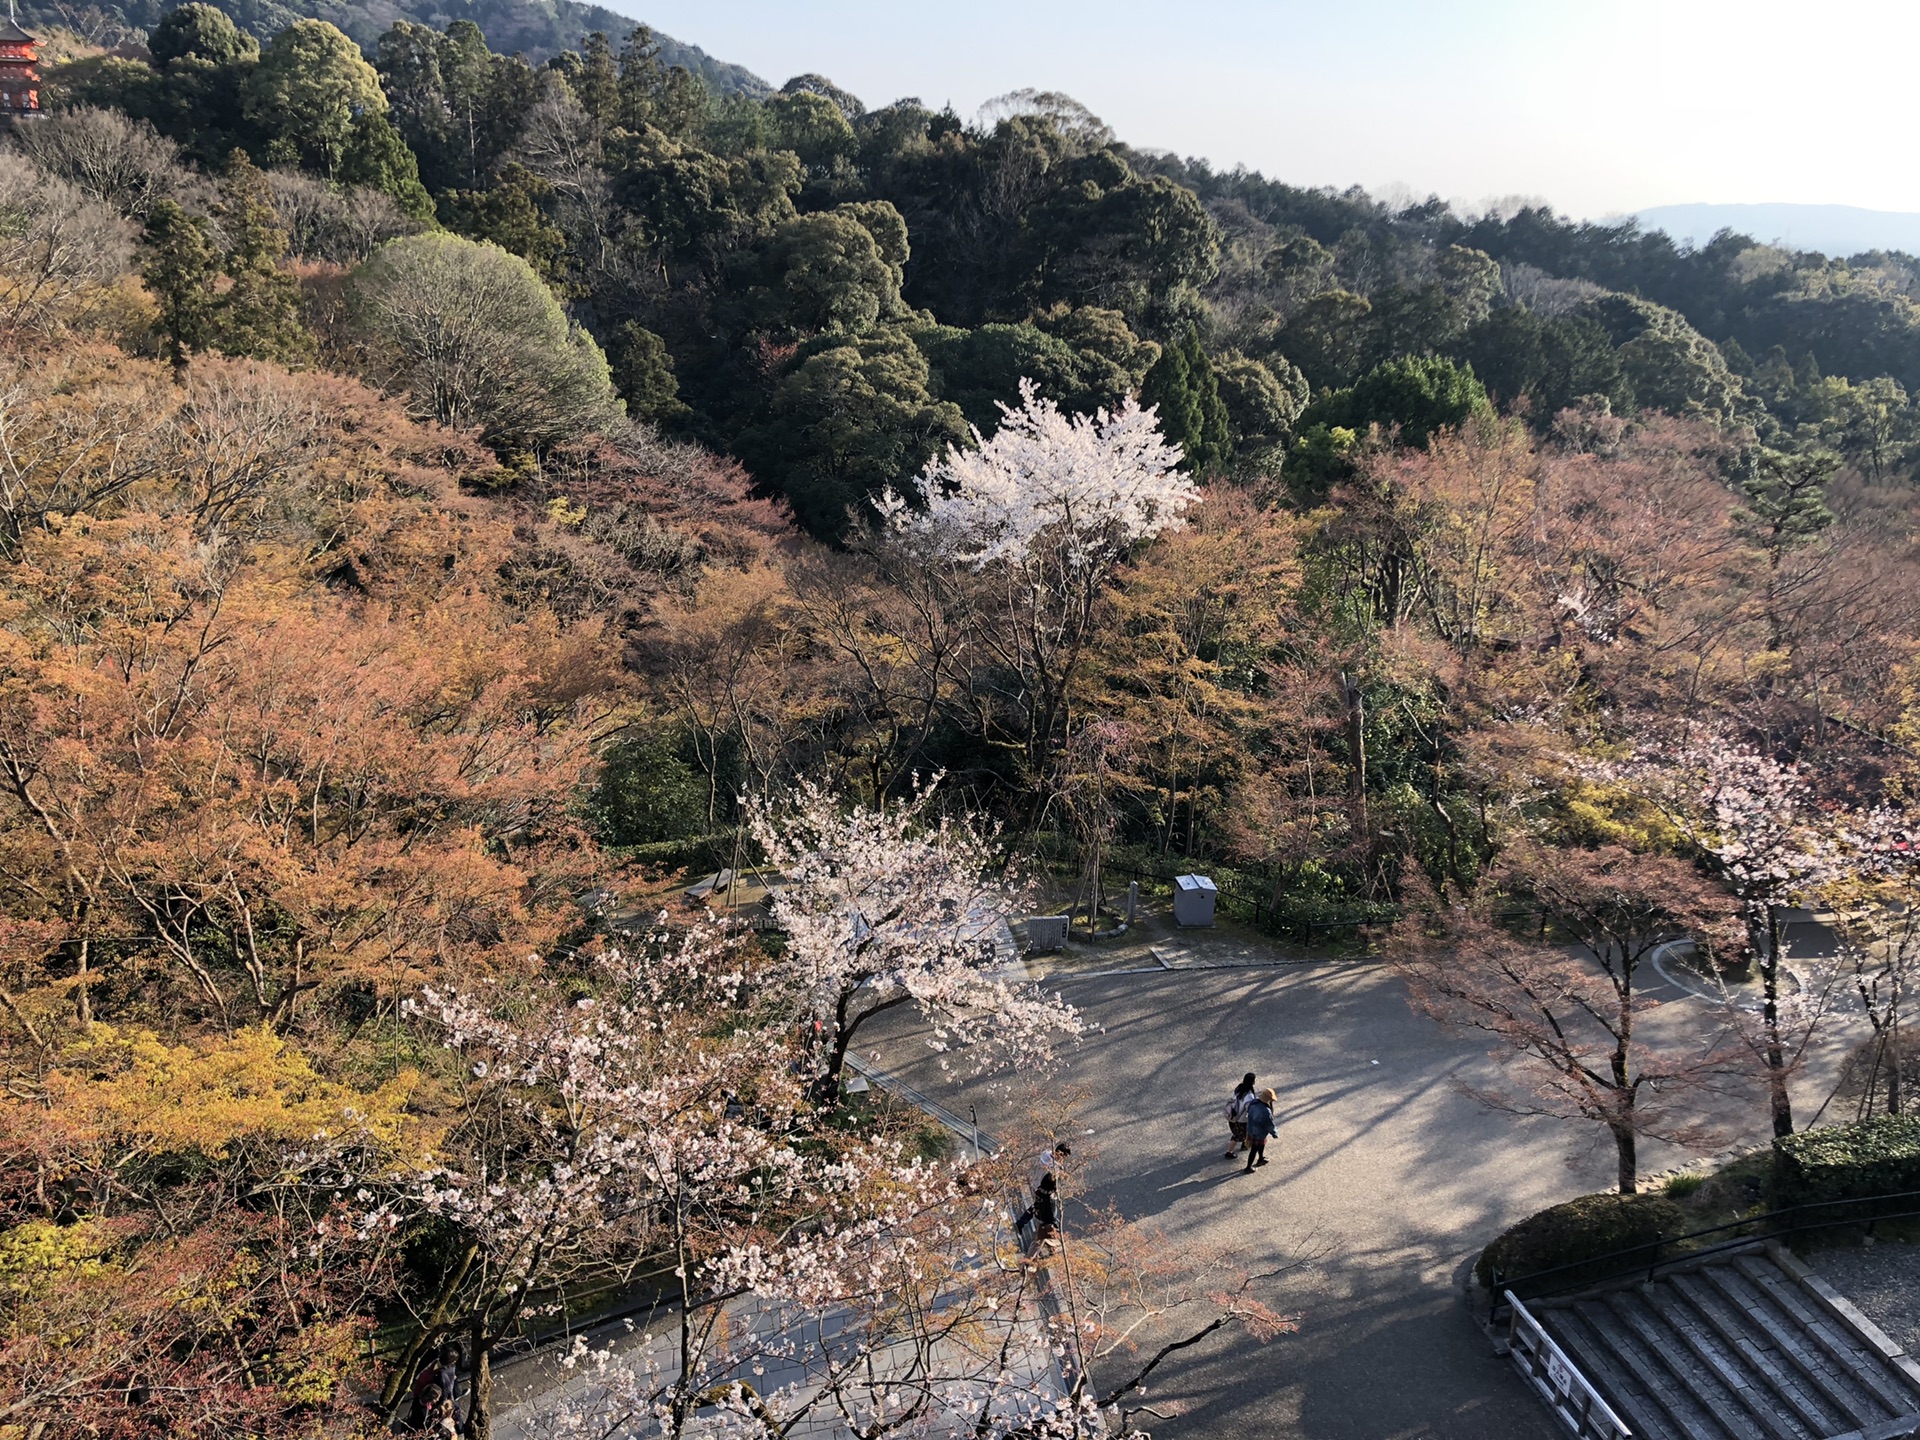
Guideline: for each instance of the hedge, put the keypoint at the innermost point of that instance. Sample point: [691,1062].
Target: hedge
[1582,1229]
[1848,1162]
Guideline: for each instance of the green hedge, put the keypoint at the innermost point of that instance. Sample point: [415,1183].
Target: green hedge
[1582,1229]
[1848,1162]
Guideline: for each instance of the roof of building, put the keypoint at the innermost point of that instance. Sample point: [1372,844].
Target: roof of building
[12,34]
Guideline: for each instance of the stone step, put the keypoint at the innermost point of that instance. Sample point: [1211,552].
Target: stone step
[1731,1365]
[1890,1387]
[1845,1379]
[1731,1349]
[1793,1391]
[1716,1385]
[1677,1411]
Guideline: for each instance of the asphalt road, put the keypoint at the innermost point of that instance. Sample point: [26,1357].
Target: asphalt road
[1383,1168]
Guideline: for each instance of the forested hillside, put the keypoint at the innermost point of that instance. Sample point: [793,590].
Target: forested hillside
[534,28]
[451,498]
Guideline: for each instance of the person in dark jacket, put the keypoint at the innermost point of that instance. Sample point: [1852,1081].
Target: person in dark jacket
[1260,1128]
[1237,1115]
[441,1374]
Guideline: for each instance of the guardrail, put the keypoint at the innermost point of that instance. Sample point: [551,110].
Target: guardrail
[1546,1367]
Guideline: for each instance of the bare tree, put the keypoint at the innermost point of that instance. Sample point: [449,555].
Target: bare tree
[55,241]
[325,222]
[1567,1009]
[116,159]
[1876,908]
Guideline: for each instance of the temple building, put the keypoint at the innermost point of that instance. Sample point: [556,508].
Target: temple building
[19,71]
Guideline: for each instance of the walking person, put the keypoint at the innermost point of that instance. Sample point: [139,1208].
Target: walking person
[437,1384]
[1044,1213]
[1260,1128]
[1237,1115]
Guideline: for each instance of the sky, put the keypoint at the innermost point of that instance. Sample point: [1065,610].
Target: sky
[1600,107]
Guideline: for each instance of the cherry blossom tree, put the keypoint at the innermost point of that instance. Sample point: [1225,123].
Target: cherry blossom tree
[906,1307]
[1026,529]
[635,1127]
[892,904]
[1758,824]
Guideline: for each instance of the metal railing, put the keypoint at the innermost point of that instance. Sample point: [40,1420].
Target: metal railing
[1652,1256]
[1545,1366]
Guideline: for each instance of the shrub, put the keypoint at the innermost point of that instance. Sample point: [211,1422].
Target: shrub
[1848,1162]
[1681,1186]
[1583,1229]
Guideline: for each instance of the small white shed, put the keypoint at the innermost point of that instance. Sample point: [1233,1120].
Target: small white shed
[1193,897]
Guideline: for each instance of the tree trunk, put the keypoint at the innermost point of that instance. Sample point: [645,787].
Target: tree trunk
[1626,1146]
[1893,1071]
[1782,1103]
[480,1399]
[396,1387]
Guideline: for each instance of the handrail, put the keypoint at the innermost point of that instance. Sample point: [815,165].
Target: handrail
[1768,1223]
[1544,1365]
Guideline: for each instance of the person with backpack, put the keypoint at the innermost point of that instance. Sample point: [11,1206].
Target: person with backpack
[1044,1213]
[438,1383]
[1260,1128]
[1237,1115]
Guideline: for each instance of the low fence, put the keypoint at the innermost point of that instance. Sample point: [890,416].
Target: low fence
[1546,1367]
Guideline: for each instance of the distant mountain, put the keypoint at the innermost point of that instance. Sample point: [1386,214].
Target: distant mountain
[535,28]
[1830,229]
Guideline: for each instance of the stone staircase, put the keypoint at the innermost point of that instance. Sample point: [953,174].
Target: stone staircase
[1747,1346]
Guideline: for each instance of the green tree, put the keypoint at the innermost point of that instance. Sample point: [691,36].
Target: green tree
[697,207]
[1261,406]
[309,87]
[643,373]
[1182,387]
[811,126]
[850,416]
[1670,365]
[1414,396]
[979,370]
[598,88]
[1544,365]
[180,267]
[201,31]
[1328,336]
[827,272]
[510,213]
[259,315]
[1110,361]
[670,98]
[478,340]
[377,157]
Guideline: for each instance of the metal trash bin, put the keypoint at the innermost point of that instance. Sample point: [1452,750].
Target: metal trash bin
[1193,897]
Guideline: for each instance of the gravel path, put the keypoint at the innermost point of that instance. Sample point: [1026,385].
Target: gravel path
[1883,1280]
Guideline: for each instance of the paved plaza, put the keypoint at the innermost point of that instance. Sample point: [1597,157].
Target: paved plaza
[1382,1167]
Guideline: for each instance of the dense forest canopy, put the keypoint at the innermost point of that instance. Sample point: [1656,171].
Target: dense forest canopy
[462,474]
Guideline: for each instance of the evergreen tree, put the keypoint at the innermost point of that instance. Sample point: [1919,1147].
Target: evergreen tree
[1215,443]
[598,88]
[376,156]
[643,373]
[259,315]
[1192,415]
[179,269]
[510,214]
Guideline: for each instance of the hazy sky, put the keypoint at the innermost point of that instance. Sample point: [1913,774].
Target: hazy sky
[1600,106]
